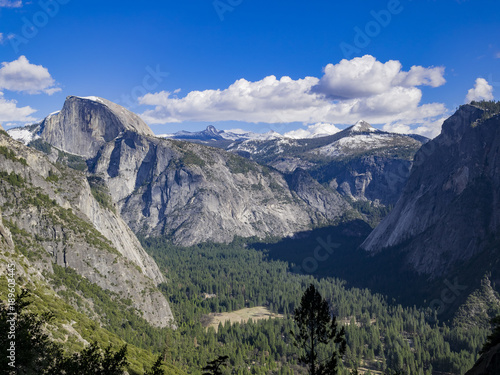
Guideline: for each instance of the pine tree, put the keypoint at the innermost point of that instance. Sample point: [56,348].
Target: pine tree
[215,367]
[156,369]
[317,327]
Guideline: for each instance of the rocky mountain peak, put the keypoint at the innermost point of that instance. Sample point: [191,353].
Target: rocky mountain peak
[362,127]
[212,130]
[86,123]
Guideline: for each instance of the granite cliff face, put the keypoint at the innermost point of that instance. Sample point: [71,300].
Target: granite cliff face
[85,124]
[52,217]
[449,210]
[195,193]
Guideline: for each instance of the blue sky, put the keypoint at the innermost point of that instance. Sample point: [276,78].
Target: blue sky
[402,65]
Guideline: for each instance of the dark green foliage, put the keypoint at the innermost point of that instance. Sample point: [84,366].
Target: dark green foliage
[72,161]
[491,108]
[374,213]
[3,132]
[92,360]
[190,158]
[156,369]
[101,192]
[52,177]
[36,354]
[12,178]
[34,351]
[215,367]
[317,327]
[40,145]
[494,338]
[238,164]
[117,315]
[10,155]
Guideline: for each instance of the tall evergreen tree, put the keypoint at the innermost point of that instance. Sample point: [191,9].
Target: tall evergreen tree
[156,369]
[215,367]
[317,327]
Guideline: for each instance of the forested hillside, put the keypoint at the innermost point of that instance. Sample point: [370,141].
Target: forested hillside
[381,335]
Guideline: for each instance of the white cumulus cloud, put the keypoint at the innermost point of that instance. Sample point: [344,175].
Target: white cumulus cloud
[321,129]
[11,3]
[365,76]
[430,128]
[363,87]
[269,100]
[9,111]
[481,91]
[20,75]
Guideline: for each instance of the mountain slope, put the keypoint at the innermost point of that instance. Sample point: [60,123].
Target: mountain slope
[450,208]
[54,218]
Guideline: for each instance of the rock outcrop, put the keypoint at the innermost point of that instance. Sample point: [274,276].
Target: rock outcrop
[85,124]
[320,198]
[450,207]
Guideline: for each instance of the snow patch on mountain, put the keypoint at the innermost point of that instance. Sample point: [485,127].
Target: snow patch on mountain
[23,135]
[348,145]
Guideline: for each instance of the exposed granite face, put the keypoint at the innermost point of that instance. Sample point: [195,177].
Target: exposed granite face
[195,193]
[85,124]
[324,200]
[6,243]
[371,178]
[451,203]
[66,225]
